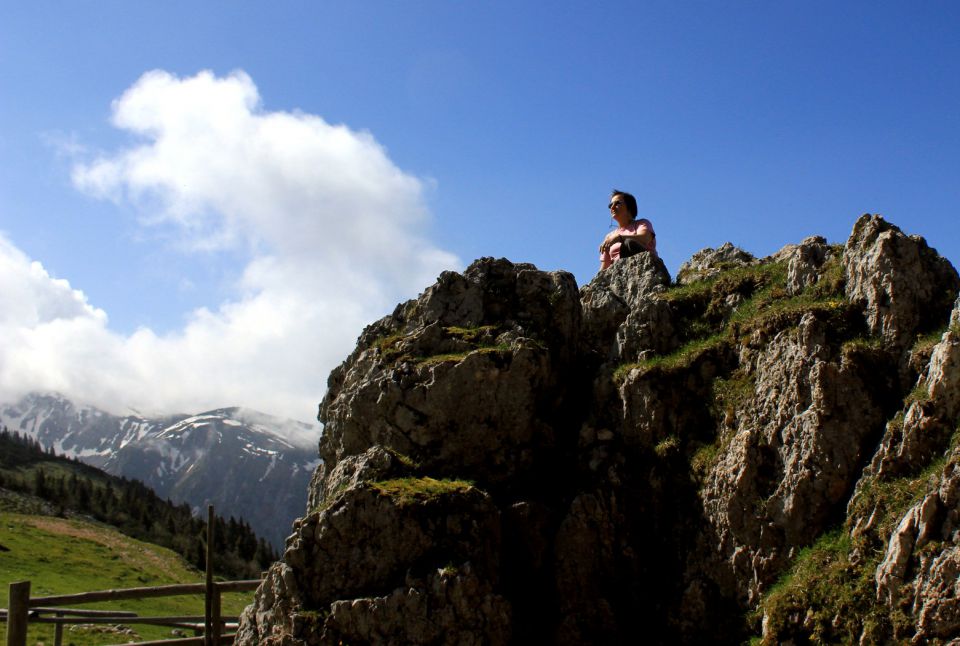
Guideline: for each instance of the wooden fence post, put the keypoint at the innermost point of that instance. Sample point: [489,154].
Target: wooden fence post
[18,613]
[208,597]
[215,617]
[58,633]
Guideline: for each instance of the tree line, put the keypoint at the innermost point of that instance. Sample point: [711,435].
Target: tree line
[130,506]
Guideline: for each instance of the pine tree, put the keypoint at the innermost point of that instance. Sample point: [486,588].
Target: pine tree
[40,484]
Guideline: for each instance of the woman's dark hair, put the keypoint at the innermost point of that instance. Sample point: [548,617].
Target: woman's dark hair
[628,199]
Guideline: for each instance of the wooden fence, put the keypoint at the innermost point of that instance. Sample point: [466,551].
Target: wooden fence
[23,608]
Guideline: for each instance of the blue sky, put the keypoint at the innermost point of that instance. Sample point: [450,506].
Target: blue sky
[201,204]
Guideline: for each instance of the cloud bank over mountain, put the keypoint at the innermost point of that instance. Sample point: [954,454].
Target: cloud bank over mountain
[332,234]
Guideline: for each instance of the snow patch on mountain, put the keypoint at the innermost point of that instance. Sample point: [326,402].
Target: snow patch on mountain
[233,458]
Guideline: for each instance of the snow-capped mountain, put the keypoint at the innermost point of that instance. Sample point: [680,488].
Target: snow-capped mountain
[234,458]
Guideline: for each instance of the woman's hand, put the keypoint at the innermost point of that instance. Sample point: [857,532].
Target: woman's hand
[609,241]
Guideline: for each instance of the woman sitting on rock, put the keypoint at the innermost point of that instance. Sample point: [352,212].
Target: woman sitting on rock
[631,235]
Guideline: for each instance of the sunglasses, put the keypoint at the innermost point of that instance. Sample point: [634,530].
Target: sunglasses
[614,205]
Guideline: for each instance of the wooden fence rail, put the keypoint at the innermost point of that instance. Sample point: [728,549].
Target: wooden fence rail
[23,608]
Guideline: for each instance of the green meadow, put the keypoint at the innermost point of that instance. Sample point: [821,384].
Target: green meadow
[66,555]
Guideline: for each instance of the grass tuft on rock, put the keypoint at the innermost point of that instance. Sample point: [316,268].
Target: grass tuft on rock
[667,446]
[389,346]
[471,334]
[825,598]
[456,357]
[925,342]
[680,358]
[739,301]
[829,593]
[410,491]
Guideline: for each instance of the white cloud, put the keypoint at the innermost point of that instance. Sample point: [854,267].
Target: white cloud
[332,228]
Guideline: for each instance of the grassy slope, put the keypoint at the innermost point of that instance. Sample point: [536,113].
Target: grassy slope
[61,556]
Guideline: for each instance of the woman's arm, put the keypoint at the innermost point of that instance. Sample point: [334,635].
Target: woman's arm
[643,234]
[608,240]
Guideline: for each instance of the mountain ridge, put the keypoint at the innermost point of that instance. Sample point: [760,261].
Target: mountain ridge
[36,481]
[230,457]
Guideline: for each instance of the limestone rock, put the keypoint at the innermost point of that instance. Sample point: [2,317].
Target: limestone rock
[931,418]
[709,262]
[632,279]
[927,580]
[938,596]
[376,463]
[905,287]
[793,459]
[644,462]
[804,262]
[910,534]
[617,304]
[464,380]
[270,619]
[656,404]
[451,606]
[586,553]
[367,542]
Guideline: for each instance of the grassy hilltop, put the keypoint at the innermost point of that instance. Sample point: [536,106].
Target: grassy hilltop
[63,556]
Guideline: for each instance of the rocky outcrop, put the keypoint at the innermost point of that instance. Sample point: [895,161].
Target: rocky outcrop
[467,380]
[619,305]
[709,263]
[804,262]
[508,459]
[903,285]
[796,452]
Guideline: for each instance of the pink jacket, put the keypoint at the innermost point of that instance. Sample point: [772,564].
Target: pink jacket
[613,253]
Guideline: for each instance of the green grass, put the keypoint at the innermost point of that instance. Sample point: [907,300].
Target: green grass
[388,346]
[460,356]
[834,595]
[831,273]
[471,334]
[479,338]
[829,598]
[925,342]
[667,446]
[680,358]
[405,460]
[408,491]
[919,394]
[727,282]
[825,597]
[701,310]
[889,499]
[727,396]
[862,344]
[762,309]
[61,556]
[707,455]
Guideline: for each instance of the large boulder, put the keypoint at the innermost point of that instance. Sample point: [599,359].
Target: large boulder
[466,380]
[708,263]
[804,262]
[379,545]
[904,286]
[619,306]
